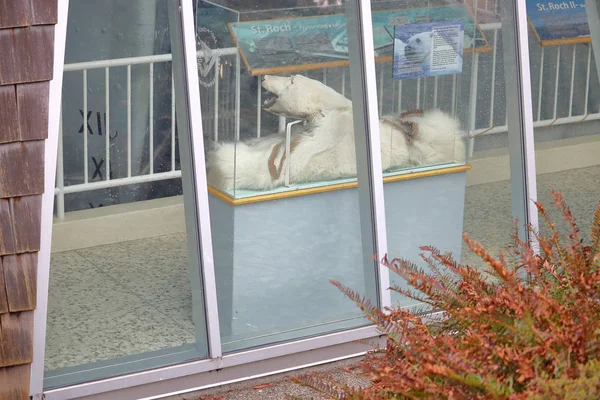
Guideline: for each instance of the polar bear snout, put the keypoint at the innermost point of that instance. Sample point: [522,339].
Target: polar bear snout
[273,88]
[297,96]
[276,84]
[289,96]
[269,97]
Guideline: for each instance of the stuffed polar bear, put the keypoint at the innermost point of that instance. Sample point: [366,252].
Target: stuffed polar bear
[323,148]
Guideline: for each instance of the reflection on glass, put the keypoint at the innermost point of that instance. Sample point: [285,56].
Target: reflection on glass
[488,215]
[120,296]
[281,168]
[443,79]
[566,100]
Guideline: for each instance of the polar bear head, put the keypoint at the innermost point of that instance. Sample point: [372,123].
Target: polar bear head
[418,47]
[297,96]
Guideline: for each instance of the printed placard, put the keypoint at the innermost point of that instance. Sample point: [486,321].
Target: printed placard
[558,22]
[304,43]
[431,49]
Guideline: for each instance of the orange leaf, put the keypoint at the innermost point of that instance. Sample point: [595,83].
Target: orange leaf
[264,385]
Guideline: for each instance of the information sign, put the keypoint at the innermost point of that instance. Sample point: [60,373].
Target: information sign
[296,44]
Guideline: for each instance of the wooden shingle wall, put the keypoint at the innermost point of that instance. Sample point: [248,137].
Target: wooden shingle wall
[26,67]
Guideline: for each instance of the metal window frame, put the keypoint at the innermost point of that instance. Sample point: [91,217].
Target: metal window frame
[219,368]
[521,148]
[189,117]
[211,372]
[368,149]
[591,8]
[50,162]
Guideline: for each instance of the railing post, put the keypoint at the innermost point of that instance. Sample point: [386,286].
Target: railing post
[60,179]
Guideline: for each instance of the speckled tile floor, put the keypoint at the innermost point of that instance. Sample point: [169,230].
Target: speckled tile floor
[98,311]
[488,215]
[133,297]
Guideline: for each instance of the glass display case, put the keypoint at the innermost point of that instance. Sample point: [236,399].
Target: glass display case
[278,124]
[277,98]
[279,133]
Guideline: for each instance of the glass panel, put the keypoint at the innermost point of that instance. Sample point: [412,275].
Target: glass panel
[120,296]
[278,125]
[566,100]
[442,104]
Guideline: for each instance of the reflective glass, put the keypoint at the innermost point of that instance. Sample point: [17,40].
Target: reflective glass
[278,120]
[123,294]
[566,101]
[442,103]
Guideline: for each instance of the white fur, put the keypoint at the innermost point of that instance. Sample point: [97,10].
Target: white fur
[325,150]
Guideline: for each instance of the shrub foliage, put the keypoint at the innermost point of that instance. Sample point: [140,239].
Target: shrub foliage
[525,325]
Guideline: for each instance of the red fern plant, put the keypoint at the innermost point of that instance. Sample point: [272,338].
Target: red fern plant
[526,325]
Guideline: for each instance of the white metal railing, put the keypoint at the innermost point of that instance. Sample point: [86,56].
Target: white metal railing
[61,189]
[541,122]
[222,103]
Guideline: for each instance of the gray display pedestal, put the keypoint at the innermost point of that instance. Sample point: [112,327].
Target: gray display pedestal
[285,247]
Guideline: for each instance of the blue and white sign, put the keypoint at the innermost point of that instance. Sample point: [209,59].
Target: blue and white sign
[430,49]
[558,22]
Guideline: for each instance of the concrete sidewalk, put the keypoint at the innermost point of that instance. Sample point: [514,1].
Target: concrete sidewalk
[280,387]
